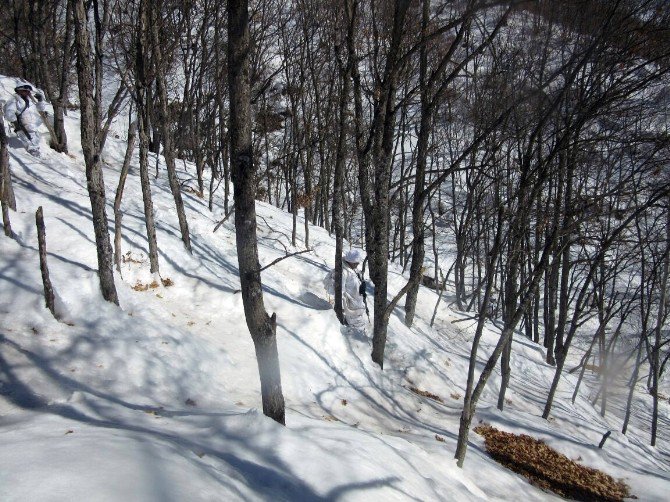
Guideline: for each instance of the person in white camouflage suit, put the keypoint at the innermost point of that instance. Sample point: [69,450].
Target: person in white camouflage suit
[24,116]
[353,290]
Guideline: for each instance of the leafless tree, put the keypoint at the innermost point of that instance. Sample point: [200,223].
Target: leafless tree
[261,325]
[92,140]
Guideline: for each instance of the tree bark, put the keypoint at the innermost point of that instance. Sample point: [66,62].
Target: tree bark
[168,148]
[118,215]
[90,144]
[260,324]
[7,199]
[144,123]
[49,298]
[54,62]
[655,363]
[374,165]
[338,182]
[469,400]
[418,237]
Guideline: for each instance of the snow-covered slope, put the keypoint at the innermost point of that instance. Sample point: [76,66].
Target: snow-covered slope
[159,399]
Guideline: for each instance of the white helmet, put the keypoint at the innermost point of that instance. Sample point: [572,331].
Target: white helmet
[354,255]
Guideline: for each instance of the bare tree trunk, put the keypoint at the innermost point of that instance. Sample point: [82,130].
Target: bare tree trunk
[374,186]
[168,149]
[338,182]
[118,215]
[662,313]
[469,400]
[505,372]
[49,298]
[633,383]
[584,363]
[582,297]
[261,326]
[53,61]
[90,143]
[143,85]
[418,234]
[6,191]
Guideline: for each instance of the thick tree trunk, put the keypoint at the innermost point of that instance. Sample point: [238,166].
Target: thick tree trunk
[505,372]
[90,144]
[59,141]
[550,301]
[261,326]
[338,182]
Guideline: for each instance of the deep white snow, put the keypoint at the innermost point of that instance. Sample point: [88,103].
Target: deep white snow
[159,399]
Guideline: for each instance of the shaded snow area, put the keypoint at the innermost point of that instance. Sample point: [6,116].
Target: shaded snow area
[159,399]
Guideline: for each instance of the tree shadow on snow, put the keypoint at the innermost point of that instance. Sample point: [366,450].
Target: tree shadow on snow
[269,478]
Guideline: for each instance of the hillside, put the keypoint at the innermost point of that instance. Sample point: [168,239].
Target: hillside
[159,399]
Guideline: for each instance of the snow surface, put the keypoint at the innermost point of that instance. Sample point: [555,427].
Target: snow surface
[159,399]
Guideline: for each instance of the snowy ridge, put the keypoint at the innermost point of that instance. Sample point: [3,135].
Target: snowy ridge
[159,399]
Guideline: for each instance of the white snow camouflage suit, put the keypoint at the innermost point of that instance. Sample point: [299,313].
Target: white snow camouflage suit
[352,301]
[15,108]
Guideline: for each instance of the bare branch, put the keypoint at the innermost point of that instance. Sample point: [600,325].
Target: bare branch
[274,262]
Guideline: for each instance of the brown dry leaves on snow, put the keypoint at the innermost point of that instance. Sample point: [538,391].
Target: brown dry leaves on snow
[145,287]
[427,394]
[549,470]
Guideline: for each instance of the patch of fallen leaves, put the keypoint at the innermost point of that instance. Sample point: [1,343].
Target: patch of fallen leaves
[427,394]
[139,286]
[129,258]
[144,287]
[549,470]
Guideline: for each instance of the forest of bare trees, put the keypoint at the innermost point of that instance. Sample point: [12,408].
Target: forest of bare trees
[531,136]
